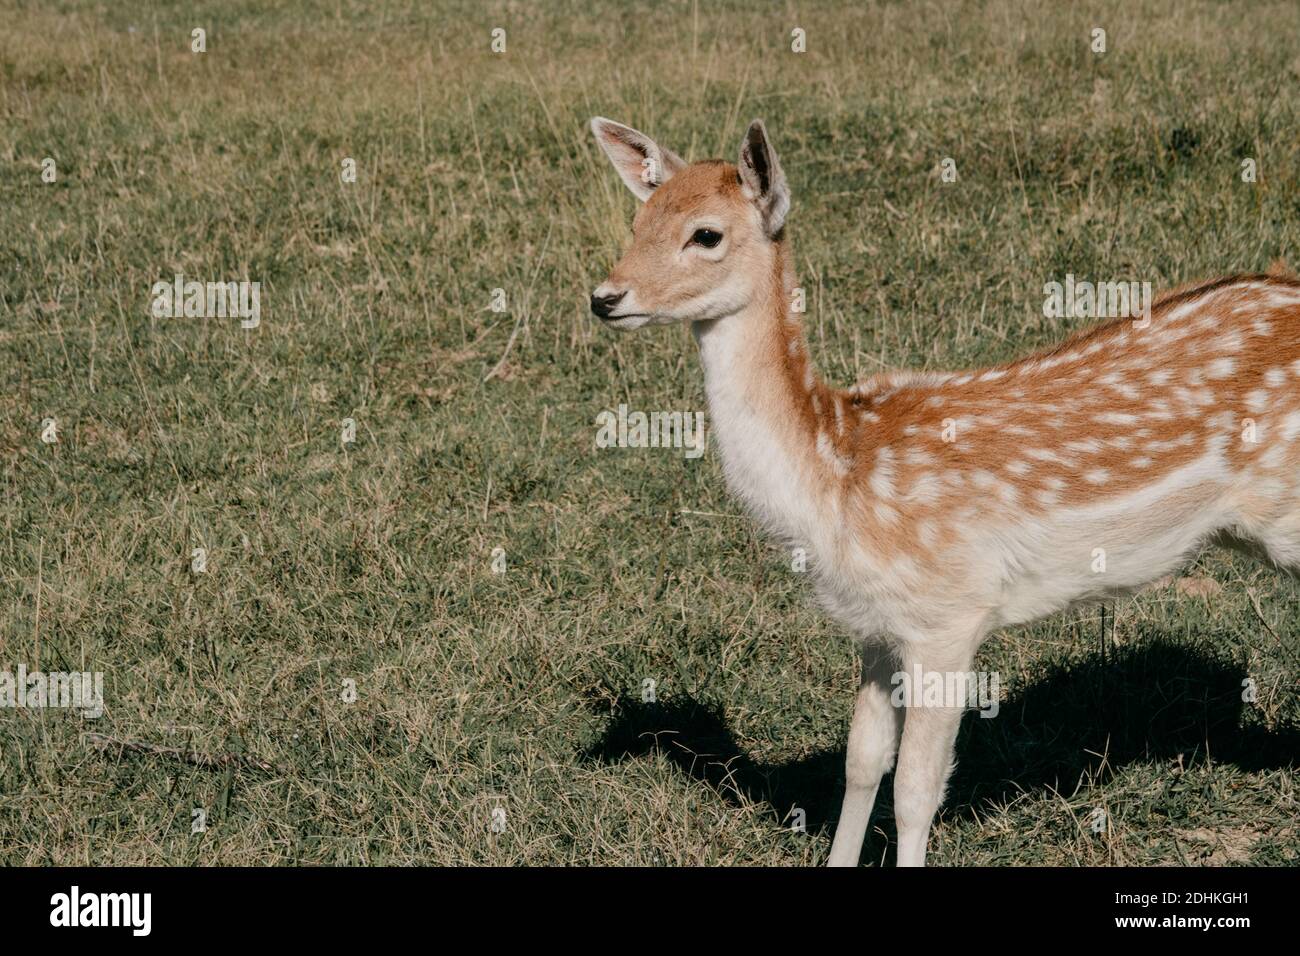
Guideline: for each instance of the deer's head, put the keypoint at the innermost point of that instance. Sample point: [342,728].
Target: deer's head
[703,242]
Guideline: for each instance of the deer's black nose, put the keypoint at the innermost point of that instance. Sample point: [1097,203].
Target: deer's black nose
[603,305]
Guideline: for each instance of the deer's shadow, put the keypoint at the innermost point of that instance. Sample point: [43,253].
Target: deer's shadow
[1156,702]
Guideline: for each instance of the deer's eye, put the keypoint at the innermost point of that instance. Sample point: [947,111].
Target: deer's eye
[706,238]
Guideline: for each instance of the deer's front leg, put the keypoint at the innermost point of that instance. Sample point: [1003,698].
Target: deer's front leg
[873,742]
[926,755]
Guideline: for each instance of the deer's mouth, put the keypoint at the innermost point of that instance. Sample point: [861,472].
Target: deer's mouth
[616,321]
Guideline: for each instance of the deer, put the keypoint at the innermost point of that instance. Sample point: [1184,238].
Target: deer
[937,507]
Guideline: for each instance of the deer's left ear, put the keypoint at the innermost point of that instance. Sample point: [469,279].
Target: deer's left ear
[642,163]
[763,179]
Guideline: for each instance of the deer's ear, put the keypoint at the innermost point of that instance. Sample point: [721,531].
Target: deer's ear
[642,163]
[763,179]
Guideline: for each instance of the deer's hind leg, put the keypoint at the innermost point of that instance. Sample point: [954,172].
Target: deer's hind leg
[1276,542]
[1281,541]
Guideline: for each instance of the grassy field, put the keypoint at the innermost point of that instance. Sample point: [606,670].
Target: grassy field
[372,561]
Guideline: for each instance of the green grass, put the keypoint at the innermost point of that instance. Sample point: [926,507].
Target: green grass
[475,429]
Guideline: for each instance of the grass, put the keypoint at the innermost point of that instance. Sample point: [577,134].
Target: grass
[372,562]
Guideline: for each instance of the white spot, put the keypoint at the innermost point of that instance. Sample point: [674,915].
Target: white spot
[1196,398]
[1181,312]
[1116,418]
[1291,426]
[926,489]
[1225,420]
[1257,400]
[1221,368]
[838,462]
[882,476]
[884,513]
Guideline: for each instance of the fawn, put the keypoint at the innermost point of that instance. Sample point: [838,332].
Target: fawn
[936,507]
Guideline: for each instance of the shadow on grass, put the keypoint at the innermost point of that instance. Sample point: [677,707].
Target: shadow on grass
[1147,703]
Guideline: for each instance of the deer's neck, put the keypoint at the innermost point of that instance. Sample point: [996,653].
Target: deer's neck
[770,413]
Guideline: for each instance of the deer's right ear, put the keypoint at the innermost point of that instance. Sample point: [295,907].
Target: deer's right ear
[642,163]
